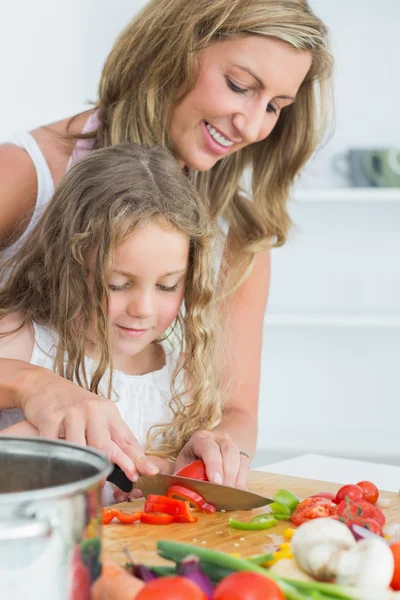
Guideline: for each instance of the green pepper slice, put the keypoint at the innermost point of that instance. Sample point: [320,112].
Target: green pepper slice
[251,526]
[287,499]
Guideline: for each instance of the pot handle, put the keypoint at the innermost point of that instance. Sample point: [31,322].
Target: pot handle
[24,528]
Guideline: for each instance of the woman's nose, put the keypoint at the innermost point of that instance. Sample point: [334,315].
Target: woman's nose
[252,124]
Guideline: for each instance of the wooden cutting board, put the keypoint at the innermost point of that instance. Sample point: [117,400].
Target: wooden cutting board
[213,531]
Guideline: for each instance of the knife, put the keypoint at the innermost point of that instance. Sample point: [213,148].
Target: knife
[221,496]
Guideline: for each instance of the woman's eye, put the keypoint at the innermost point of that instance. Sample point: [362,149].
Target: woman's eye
[271,108]
[118,288]
[234,87]
[164,288]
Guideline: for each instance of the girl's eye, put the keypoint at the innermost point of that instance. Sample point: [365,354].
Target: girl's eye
[234,87]
[118,288]
[164,288]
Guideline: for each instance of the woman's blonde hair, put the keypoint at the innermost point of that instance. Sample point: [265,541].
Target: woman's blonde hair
[59,278]
[153,65]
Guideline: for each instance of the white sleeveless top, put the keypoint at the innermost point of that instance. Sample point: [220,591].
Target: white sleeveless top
[45,187]
[142,400]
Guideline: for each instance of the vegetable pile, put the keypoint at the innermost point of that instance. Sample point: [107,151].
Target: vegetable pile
[338,551]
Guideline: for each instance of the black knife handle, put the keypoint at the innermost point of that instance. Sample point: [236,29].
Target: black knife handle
[118,477]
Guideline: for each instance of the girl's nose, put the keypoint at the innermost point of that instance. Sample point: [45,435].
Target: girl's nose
[141,305]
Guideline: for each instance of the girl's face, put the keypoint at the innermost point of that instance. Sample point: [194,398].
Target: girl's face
[147,285]
[243,85]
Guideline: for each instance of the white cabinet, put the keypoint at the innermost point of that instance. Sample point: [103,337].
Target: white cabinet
[331,356]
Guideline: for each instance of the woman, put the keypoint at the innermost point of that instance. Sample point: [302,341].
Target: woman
[226,85]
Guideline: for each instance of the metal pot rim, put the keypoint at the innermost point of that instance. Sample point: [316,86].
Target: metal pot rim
[67,489]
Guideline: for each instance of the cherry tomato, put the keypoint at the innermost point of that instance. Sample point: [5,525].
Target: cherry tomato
[368,523]
[247,586]
[328,495]
[313,508]
[395,548]
[173,588]
[350,491]
[370,490]
[349,509]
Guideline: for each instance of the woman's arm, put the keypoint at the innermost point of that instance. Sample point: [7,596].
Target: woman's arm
[242,343]
[21,429]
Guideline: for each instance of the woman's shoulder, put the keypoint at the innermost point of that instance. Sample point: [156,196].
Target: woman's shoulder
[18,345]
[56,144]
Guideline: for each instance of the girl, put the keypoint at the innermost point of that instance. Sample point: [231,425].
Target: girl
[121,255]
[226,85]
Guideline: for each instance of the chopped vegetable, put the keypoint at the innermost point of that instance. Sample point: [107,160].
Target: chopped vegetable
[108,516]
[137,570]
[278,508]
[265,523]
[156,519]
[287,499]
[128,518]
[190,568]
[288,533]
[327,495]
[260,559]
[115,583]
[313,508]
[197,501]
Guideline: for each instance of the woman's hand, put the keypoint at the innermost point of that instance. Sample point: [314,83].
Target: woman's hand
[60,409]
[222,458]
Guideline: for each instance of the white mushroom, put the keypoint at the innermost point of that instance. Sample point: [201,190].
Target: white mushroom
[316,546]
[369,563]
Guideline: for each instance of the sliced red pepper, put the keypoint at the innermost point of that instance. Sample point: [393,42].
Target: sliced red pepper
[195,470]
[168,509]
[107,516]
[189,518]
[156,518]
[128,518]
[165,500]
[182,493]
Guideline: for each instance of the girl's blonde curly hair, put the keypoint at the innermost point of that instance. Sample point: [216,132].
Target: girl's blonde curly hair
[59,278]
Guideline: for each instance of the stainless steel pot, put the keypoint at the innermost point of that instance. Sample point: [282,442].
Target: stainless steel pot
[50,519]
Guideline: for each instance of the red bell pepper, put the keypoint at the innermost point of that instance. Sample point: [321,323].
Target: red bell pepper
[182,493]
[195,470]
[128,518]
[156,518]
[107,516]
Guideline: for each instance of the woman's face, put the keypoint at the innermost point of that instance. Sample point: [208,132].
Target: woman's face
[243,85]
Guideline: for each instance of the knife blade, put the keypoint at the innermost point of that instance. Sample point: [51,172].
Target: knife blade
[221,496]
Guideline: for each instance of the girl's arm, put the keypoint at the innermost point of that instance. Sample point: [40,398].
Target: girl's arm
[243,329]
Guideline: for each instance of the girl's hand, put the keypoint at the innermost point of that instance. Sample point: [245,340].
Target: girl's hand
[163,465]
[60,409]
[222,458]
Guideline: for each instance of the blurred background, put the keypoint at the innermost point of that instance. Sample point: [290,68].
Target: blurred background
[330,365]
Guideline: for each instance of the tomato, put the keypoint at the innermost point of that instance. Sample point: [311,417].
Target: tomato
[195,470]
[80,582]
[173,588]
[395,548]
[328,495]
[247,586]
[368,523]
[349,509]
[370,490]
[350,491]
[313,508]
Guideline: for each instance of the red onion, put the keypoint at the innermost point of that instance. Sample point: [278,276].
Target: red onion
[190,568]
[362,533]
